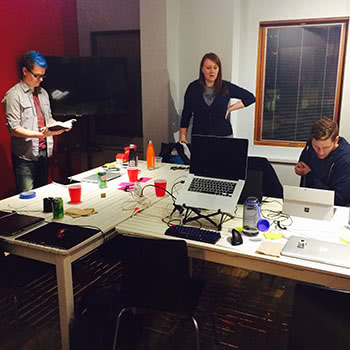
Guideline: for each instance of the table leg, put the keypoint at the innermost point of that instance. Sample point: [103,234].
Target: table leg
[65,297]
[190,266]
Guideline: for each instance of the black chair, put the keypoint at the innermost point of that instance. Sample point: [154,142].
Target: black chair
[271,184]
[16,274]
[253,186]
[320,320]
[156,276]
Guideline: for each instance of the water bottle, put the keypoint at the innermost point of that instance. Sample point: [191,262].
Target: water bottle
[150,156]
[132,157]
[251,216]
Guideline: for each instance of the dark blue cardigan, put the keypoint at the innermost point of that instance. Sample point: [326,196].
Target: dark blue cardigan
[331,173]
[210,120]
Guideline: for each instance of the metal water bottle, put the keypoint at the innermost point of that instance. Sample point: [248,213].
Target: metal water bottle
[132,157]
[251,216]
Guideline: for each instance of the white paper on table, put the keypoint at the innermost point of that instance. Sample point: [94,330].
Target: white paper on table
[310,228]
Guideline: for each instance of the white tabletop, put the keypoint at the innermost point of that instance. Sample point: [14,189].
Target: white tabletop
[114,208]
[148,216]
[150,222]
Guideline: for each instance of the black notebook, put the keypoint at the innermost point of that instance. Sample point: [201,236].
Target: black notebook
[13,223]
[58,235]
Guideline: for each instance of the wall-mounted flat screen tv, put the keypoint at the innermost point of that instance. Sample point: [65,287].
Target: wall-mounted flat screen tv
[91,85]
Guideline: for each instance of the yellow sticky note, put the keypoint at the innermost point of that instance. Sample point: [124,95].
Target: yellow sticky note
[273,235]
[344,241]
[345,236]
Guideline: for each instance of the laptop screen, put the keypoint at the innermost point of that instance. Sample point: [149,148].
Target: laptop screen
[219,157]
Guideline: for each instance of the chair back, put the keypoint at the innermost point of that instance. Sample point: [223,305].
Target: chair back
[253,186]
[271,184]
[155,273]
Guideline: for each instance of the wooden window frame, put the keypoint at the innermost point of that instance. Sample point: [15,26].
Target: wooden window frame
[261,62]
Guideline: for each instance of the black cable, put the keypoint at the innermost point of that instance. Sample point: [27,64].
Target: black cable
[179,168]
[176,183]
[97,228]
[92,226]
[155,186]
[169,222]
[285,217]
[280,226]
[85,226]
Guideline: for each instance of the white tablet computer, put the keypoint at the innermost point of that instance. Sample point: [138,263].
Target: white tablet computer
[308,202]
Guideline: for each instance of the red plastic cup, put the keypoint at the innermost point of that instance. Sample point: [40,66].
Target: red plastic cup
[133,173]
[160,187]
[75,193]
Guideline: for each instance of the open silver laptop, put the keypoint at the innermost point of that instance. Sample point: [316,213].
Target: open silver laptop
[308,202]
[318,251]
[217,173]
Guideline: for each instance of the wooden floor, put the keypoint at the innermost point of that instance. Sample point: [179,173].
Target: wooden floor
[250,310]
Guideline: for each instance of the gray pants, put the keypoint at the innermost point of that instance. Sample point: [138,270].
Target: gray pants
[31,174]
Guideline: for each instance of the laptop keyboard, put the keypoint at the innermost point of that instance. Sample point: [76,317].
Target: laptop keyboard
[210,186]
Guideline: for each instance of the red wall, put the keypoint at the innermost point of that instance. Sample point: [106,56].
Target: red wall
[47,26]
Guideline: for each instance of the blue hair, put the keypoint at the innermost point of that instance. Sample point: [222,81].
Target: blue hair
[38,59]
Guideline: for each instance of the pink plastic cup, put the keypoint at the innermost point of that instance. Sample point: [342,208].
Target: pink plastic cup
[133,173]
[160,187]
[75,193]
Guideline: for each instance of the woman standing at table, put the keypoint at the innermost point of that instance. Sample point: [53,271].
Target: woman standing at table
[207,100]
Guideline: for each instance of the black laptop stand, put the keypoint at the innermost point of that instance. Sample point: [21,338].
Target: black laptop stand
[188,211]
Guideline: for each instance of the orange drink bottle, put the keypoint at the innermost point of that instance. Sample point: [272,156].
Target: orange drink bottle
[150,156]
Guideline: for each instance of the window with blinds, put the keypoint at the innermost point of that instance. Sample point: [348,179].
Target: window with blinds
[300,70]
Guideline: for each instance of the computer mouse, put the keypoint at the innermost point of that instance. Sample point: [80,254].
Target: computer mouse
[236,237]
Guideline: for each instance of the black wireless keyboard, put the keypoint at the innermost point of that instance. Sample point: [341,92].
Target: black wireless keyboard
[194,233]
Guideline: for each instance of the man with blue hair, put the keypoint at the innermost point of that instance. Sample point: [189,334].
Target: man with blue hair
[28,115]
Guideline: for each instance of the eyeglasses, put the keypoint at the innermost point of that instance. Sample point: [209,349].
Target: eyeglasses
[38,76]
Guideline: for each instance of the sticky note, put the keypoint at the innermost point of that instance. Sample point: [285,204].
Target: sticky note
[273,235]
